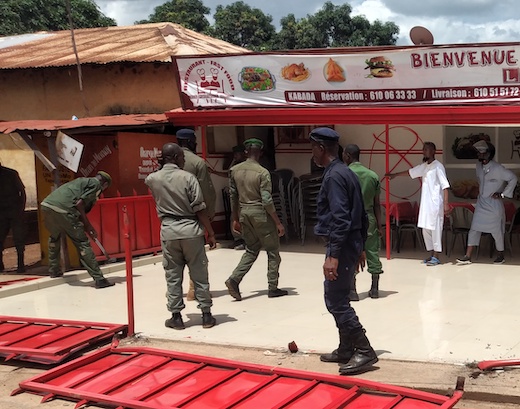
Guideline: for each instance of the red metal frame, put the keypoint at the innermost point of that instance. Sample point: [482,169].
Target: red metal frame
[129,274]
[107,217]
[146,378]
[428,115]
[16,281]
[488,365]
[50,341]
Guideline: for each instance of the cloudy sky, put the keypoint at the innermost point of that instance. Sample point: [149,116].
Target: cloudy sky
[450,21]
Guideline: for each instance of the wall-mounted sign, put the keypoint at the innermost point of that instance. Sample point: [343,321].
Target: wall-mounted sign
[442,75]
[69,151]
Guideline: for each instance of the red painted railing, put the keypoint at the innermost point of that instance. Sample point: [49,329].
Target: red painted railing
[107,218]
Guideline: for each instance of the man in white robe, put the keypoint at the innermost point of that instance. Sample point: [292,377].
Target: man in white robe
[495,183]
[434,200]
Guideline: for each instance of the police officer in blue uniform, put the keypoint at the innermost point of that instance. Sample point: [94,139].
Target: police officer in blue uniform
[342,222]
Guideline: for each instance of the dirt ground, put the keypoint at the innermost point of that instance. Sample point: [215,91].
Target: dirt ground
[32,257]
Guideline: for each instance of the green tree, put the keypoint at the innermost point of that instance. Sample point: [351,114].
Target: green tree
[382,33]
[286,38]
[189,13]
[244,26]
[333,26]
[28,16]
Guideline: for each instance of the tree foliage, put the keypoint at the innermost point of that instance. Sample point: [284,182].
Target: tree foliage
[333,26]
[28,16]
[237,23]
[245,26]
[189,13]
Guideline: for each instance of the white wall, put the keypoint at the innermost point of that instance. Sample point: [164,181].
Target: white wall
[405,142]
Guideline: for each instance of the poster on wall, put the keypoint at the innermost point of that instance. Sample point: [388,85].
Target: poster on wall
[69,151]
[508,150]
[459,140]
[140,159]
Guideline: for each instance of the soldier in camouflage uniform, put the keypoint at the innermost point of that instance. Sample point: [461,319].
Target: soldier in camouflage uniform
[254,217]
[65,212]
[371,189]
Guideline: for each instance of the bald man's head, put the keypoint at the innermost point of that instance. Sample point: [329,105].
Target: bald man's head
[173,153]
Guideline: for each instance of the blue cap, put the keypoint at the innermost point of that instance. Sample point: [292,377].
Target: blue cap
[324,135]
[185,134]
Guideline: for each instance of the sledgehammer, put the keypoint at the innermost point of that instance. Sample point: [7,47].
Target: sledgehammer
[109,259]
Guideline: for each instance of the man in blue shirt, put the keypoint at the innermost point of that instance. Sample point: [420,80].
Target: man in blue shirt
[342,222]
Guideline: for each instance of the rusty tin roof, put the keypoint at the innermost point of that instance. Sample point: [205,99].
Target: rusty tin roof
[156,42]
[133,120]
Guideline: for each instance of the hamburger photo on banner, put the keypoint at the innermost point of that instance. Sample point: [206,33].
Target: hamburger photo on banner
[380,67]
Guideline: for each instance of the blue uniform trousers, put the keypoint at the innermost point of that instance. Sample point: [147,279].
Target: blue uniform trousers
[337,291]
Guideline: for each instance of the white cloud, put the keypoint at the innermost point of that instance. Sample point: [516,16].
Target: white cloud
[126,12]
[447,28]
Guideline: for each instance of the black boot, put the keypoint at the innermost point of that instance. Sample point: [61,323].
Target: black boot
[101,283]
[364,356]
[233,289]
[353,295]
[344,351]
[21,263]
[208,320]
[175,321]
[374,290]
[2,267]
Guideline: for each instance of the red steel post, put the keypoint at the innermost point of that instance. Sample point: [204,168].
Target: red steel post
[388,231]
[129,274]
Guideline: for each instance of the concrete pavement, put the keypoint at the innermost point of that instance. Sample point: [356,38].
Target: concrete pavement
[447,314]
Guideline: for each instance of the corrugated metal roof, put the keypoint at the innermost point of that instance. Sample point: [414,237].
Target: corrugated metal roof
[97,121]
[139,43]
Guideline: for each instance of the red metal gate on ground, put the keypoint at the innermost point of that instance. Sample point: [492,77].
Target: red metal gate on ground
[145,378]
[50,341]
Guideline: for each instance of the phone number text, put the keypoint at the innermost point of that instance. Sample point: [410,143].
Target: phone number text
[403,95]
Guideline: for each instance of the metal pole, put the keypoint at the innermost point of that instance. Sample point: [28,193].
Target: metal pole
[129,274]
[387,194]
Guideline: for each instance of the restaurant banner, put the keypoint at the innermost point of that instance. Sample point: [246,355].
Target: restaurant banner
[442,75]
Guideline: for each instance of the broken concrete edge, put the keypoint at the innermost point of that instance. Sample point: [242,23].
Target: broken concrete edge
[73,275]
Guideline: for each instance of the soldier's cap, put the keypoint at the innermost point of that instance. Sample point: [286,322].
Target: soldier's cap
[324,135]
[482,146]
[253,143]
[185,134]
[105,176]
[238,149]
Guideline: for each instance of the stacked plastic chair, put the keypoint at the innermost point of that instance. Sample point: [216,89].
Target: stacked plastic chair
[279,201]
[287,179]
[294,204]
[309,188]
[227,212]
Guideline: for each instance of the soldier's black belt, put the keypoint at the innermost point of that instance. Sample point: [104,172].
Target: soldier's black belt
[177,217]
